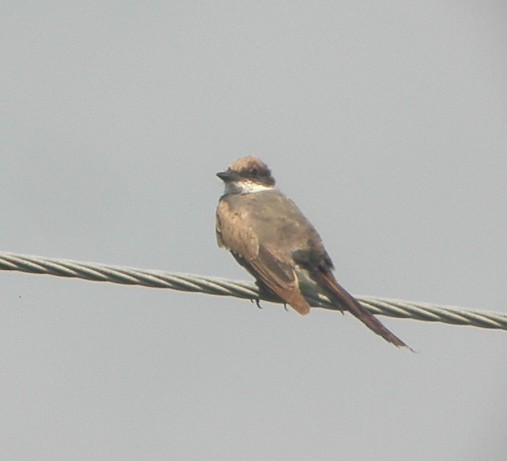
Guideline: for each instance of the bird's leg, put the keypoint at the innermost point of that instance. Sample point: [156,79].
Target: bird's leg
[257,302]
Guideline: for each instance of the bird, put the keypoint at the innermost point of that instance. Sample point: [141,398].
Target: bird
[272,239]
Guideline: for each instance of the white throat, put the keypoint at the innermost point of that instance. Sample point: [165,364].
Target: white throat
[245,187]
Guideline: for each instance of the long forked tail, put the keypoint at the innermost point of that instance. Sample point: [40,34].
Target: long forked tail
[345,299]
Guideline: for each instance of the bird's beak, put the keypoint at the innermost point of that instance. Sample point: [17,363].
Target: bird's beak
[227,176]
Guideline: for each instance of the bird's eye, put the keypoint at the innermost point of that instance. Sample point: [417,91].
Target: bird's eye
[253,171]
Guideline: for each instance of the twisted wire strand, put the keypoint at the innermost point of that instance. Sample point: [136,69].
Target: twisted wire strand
[223,287]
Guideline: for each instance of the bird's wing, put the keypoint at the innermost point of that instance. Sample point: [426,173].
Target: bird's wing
[263,263]
[280,277]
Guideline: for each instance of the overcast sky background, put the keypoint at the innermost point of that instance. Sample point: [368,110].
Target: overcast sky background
[385,121]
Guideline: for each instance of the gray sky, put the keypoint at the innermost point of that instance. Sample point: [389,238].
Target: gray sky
[385,121]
